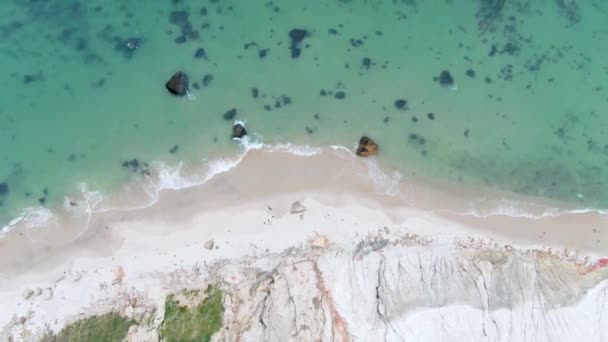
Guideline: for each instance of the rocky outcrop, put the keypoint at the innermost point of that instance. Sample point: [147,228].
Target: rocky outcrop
[387,288]
[178,84]
[367,147]
[238,130]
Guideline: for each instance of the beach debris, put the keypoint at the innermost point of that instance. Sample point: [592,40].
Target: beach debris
[229,114]
[47,294]
[27,293]
[367,147]
[238,130]
[319,241]
[297,208]
[3,188]
[178,84]
[209,244]
[445,79]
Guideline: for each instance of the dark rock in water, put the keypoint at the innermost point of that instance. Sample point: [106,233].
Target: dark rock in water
[340,95]
[295,52]
[255,93]
[133,163]
[230,114]
[178,84]
[195,85]
[203,11]
[297,35]
[366,62]
[181,39]
[323,92]
[30,78]
[178,17]
[431,116]
[238,131]
[446,79]
[263,53]
[367,147]
[200,54]
[207,80]
[42,200]
[192,34]
[173,149]
[286,100]
[401,104]
[132,43]
[4,189]
[470,73]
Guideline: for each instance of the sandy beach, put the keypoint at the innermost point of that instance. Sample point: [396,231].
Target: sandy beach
[128,261]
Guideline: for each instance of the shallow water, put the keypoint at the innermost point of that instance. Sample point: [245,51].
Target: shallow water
[83,89]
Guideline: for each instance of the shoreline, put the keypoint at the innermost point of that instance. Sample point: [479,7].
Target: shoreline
[246,212]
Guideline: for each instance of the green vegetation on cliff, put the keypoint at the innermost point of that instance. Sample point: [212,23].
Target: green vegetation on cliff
[110,327]
[190,323]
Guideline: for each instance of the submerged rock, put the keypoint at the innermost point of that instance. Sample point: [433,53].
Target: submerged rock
[446,79]
[207,80]
[367,147]
[3,188]
[132,43]
[178,84]
[238,130]
[229,114]
[401,104]
[297,35]
[200,54]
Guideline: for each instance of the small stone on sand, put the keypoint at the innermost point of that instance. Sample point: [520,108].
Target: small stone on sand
[297,208]
[27,294]
[320,241]
[209,244]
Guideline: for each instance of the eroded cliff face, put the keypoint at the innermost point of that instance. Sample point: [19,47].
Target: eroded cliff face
[384,289]
[416,291]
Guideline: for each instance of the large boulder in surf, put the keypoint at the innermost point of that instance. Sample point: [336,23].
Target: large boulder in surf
[3,189]
[178,84]
[367,147]
[238,130]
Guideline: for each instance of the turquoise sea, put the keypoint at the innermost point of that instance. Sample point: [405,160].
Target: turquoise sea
[507,95]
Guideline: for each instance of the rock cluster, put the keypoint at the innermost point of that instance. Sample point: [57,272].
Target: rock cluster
[367,147]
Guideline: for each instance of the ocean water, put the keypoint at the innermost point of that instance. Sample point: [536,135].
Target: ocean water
[523,109]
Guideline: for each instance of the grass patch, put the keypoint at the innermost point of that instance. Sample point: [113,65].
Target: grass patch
[188,322]
[110,327]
